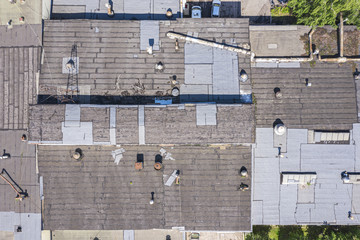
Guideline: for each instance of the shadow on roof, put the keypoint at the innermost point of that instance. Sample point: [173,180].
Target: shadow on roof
[117,16]
[162,100]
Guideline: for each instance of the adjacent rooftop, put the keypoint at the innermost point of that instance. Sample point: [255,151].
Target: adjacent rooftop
[18,75]
[114,64]
[123,9]
[96,193]
[325,199]
[150,124]
[313,96]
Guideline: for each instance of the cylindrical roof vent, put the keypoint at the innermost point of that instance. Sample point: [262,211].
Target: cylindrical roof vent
[280,129]
[175,92]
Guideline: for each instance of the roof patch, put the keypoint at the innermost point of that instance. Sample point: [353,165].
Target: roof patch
[206,115]
[149,35]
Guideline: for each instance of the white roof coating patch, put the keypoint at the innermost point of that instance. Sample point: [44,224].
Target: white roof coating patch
[225,73]
[81,135]
[206,114]
[149,35]
[29,222]
[328,200]
[198,74]
[198,54]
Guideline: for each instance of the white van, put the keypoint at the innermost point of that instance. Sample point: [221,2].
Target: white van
[215,9]
[196,12]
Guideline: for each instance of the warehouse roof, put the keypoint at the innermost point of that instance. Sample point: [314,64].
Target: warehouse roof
[115,67]
[149,124]
[328,102]
[95,193]
[18,72]
[326,199]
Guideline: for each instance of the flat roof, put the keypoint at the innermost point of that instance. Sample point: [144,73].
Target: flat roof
[123,9]
[279,40]
[329,103]
[96,193]
[31,11]
[114,66]
[143,124]
[21,167]
[324,200]
[18,73]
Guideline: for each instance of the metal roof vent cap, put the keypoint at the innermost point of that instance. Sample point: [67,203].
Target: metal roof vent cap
[77,154]
[278,93]
[346,179]
[175,92]
[243,172]
[169,13]
[357,75]
[243,76]
[70,65]
[159,66]
[280,129]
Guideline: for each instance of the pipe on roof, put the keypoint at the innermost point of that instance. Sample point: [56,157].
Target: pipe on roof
[173,35]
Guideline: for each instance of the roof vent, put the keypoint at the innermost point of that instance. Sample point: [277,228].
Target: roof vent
[243,172]
[177,45]
[175,92]
[357,75]
[159,67]
[78,154]
[243,76]
[70,65]
[152,198]
[345,177]
[280,129]
[149,50]
[110,11]
[278,93]
[169,13]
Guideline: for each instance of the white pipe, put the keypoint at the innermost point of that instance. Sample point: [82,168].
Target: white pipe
[173,35]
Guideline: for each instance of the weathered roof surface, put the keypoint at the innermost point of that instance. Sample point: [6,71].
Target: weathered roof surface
[278,40]
[19,67]
[329,103]
[31,12]
[21,167]
[149,124]
[111,62]
[328,200]
[95,193]
[21,35]
[124,9]
[235,124]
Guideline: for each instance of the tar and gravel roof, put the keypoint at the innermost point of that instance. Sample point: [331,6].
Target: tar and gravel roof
[172,124]
[329,103]
[113,57]
[95,193]
[110,59]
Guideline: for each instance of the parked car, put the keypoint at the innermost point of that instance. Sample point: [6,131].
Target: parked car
[196,12]
[215,9]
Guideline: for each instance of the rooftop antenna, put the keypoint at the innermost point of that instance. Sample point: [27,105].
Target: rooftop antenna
[72,88]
